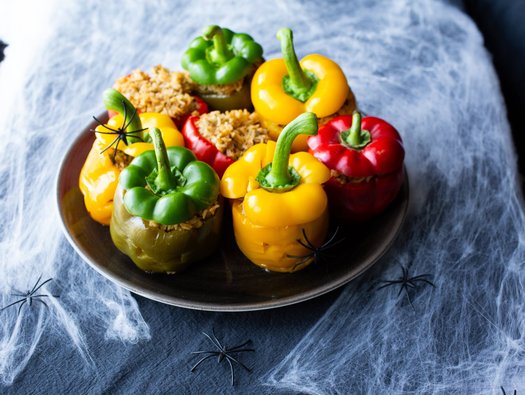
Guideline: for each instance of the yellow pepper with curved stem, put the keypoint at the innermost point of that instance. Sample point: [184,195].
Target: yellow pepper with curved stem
[282,200]
[284,88]
[114,146]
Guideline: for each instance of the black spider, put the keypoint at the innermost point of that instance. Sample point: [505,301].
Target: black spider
[223,353]
[317,253]
[29,296]
[406,282]
[121,133]
[504,393]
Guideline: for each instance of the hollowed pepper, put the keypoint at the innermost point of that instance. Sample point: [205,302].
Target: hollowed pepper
[203,148]
[366,158]
[119,140]
[284,88]
[166,213]
[279,200]
[221,57]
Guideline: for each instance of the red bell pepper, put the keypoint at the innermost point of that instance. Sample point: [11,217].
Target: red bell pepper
[203,149]
[202,108]
[366,158]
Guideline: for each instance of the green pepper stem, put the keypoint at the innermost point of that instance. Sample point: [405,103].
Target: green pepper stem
[165,179]
[222,52]
[279,175]
[355,137]
[299,81]
[115,101]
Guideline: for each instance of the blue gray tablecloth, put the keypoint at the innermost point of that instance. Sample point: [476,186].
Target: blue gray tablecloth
[421,65]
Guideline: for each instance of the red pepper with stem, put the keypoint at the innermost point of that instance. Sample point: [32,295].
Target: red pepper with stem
[366,158]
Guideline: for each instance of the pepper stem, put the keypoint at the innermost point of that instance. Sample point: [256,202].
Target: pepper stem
[278,175]
[221,53]
[115,101]
[299,84]
[165,179]
[354,137]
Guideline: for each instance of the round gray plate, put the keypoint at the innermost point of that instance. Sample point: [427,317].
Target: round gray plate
[226,281]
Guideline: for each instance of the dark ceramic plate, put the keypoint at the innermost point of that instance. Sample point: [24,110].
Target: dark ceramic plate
[226,281]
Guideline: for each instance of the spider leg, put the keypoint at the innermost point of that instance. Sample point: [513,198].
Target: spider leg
[427,281]
[41,285]
[104,125]
[201,361]
[230,358]
[236,348]
[125,115]
[215,341]
[21,304]
[12,304]
[328,245]
[100,132]
[110,145]
[124,127]
[204,352]
[22,295]
[41,301]
[240,350]
[307,240]
[232,371]
[35,286]
[419,276]
[404,270]
[332,238]
[307,246]
[294,256]
[388,283]
[409,301]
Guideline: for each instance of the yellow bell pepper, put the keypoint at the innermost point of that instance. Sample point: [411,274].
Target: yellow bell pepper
[116,143]
[284,88]
[279,196]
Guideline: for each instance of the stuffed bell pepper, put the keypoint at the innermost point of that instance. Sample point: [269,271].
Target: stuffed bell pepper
[279,200]
[365,157]
[220,138]
[167,210]
[284,88]
[221,63]
[162,91]
[120,140]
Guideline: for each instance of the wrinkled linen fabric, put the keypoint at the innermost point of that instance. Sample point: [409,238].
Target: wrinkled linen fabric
[420,65]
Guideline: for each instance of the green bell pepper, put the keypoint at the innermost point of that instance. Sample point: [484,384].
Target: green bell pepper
[221,56]
[159,195]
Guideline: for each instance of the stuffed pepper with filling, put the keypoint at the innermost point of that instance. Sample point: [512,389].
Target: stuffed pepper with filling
[284,88]
[279,200]
[365,157]
[167,209]
[221,63]
[117,142]
[220,138]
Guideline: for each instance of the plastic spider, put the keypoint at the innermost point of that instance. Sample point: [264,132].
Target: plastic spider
[121,133]
[317,253]
[504,393]
[29,296]
[223,353]
[406,282]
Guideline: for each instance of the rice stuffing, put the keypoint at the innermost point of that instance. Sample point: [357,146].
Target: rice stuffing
[163,91]
[193,223]
[232,132]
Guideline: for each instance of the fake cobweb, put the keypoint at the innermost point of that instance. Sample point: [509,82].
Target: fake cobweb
[420,65]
